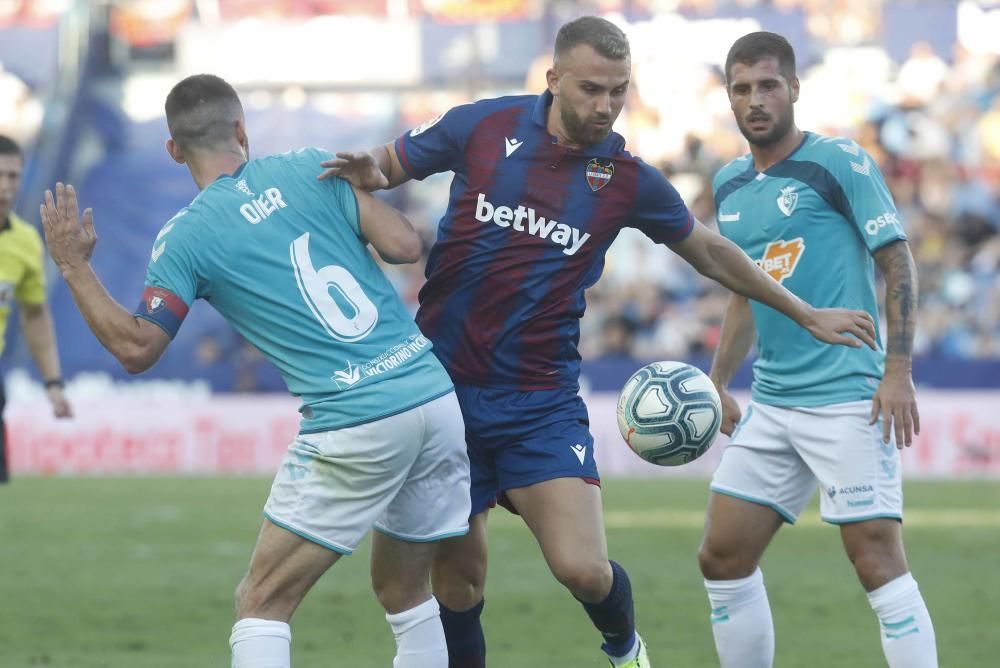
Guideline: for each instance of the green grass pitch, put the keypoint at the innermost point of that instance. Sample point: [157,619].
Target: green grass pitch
[139,573]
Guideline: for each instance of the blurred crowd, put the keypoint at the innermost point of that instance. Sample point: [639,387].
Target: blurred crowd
[21,107]
[21,110]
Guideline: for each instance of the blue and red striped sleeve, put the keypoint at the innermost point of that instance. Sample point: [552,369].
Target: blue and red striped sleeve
[659,210]
[439,144]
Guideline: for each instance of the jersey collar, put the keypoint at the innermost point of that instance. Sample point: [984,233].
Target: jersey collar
[234,175]
[805,138]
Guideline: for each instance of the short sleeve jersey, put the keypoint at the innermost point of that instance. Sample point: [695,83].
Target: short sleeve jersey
[525,233]
[812,222]
[281,256]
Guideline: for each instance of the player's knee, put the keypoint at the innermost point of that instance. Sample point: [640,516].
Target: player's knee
[459,589]
[876,551]
[877,565]
[459,579]
[723,564]
[396,595]
[874,571]
[586,579]
[467,571]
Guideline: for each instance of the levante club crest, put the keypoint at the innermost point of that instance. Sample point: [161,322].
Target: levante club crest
[599,173]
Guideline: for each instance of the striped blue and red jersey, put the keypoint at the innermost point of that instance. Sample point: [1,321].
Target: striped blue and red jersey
[528,224]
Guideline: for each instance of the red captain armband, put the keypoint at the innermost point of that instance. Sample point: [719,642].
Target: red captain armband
[164,308]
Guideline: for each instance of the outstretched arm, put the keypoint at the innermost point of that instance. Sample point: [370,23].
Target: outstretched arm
[896,396]
[387,230]
[734,343]
[135,343]
[368,170]
[721,260]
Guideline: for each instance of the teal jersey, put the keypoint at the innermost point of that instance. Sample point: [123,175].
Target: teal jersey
[281,256]
[812,222]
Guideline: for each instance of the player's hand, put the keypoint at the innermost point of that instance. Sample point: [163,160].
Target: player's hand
[70,240]
[836,325]
[60,405]
[358,169]
[896,400]
[731,414]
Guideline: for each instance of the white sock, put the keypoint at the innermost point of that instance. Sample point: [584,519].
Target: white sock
[419,637]
[905,625]
[741,622]
[261,643]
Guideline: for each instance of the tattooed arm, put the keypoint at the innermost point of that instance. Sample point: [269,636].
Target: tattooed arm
[896,396]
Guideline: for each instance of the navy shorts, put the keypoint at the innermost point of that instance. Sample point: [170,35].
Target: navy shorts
[517,439]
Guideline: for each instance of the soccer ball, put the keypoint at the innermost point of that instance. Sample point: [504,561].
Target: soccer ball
[669,413]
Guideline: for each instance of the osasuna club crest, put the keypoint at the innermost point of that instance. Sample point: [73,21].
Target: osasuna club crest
[154,304]
[787,200]
[599,173]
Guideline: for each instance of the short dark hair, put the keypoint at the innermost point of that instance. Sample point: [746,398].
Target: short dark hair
[9,147]
[756,46]
[201,111]
[600,34]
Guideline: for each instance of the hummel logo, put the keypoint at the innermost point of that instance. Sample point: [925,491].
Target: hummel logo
[863,167]
[512,144]
[729,217]
[579,451]
[158,251]
[242,186]
[165,231]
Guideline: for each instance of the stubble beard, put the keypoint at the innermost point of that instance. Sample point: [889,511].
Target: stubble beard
[576,129]
[782,125]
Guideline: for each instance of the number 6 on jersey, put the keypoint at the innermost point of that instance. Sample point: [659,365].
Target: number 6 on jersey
[315,288]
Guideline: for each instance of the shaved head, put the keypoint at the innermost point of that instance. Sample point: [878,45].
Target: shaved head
[202,112]
[601,35]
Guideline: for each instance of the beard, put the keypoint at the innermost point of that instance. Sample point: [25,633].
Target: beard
[579,131]
[780,127]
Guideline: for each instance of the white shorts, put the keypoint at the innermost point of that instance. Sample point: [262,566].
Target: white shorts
[407,475]
[777,456]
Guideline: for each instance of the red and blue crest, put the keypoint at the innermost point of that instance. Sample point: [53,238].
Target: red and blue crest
[599,173]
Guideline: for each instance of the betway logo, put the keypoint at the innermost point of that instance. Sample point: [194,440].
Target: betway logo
[524,219]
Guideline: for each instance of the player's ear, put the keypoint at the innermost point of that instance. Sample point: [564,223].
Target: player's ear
[795,89]
[242,138]
[552,79]
[175,152]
